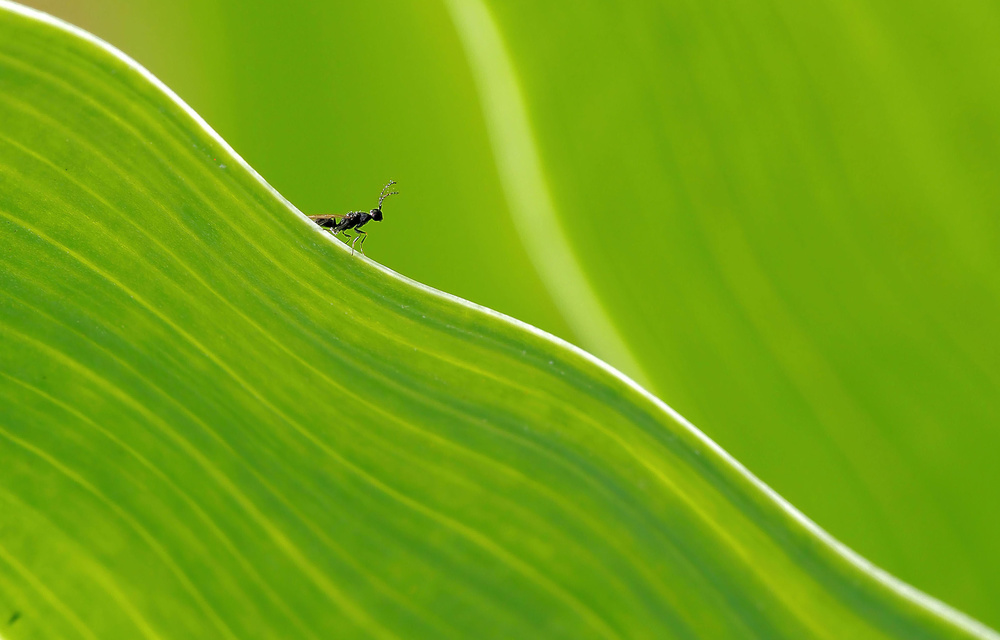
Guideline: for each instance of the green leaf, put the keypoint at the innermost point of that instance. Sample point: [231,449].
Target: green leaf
[788,213]
[217,422]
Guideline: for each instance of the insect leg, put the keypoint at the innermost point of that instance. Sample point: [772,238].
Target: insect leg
[364,236]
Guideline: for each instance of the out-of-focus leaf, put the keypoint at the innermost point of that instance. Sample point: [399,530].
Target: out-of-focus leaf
[789,212]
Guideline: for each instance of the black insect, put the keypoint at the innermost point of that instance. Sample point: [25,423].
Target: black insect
[343,222]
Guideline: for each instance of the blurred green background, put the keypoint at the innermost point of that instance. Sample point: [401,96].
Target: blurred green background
[787,211]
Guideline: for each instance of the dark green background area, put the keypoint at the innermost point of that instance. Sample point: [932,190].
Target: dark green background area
[789,210]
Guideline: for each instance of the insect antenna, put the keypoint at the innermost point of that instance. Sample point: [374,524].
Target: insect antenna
[384,195]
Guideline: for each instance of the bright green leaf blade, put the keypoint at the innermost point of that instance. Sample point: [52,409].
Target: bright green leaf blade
[218,423]
[328,100]
[789,212]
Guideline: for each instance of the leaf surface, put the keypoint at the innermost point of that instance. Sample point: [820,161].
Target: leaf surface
[217,423]
[787,212]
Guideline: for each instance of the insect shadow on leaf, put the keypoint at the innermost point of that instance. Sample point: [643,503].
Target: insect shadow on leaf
[343,222]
